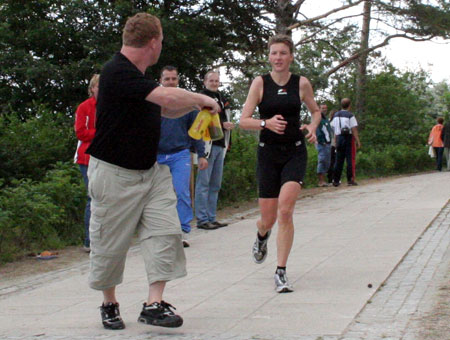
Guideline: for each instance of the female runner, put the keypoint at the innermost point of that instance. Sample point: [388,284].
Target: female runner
[282,152]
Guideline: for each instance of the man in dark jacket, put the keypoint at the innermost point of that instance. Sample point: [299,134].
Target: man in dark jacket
[209,180]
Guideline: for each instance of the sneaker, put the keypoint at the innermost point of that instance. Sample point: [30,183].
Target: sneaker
[352,183]
[111,316]
[206,226]
[259,249]
[281,282]
[160,314]
[218,224]
[186,244]
[86,249]
[336,184]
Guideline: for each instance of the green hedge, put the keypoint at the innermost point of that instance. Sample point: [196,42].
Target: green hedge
[30,148]
[35,216]
[48,214]
[393,160]
[239,177]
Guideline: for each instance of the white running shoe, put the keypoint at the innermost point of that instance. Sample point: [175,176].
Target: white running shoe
[282,284]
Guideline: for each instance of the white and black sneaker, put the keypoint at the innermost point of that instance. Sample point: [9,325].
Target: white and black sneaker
[259,249]
[160,314]
[111,318]
[281,282]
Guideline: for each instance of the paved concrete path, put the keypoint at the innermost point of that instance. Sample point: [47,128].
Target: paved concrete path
[345,239]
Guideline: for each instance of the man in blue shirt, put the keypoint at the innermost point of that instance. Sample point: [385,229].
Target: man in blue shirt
[174,151]
[323,146]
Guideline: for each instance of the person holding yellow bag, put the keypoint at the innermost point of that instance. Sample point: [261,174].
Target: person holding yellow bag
[209,180]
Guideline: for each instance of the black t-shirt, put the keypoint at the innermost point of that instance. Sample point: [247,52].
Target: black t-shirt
[128,126]
[283,100]
[223,103]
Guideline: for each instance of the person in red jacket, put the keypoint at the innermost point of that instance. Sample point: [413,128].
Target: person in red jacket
[85,131]
[435,140]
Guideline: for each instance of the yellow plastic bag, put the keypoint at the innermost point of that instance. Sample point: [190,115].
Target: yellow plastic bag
[215,128]
[200,125]
[206,136]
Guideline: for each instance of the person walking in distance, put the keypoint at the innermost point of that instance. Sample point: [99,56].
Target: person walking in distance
[174,151]
[85,131]
[209,180]
[282,154]
[130,191]
[345,127]
[435,140]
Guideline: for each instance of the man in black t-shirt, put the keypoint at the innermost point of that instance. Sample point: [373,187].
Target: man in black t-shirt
[130,192]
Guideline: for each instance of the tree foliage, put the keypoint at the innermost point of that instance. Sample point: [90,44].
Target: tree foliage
[51,48]
[397,110]
[31,148]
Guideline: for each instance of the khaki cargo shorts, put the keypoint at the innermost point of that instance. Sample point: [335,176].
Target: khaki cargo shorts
[125,202]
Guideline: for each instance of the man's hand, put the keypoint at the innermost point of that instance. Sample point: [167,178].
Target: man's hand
[311,135]
[228,125]
[202,163]
[210,104]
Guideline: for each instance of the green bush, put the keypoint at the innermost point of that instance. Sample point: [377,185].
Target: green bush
[239,172]
[393,160]
[35,216]
[239,178]
[239,181]
[311,167]
[48,214]
[29,148]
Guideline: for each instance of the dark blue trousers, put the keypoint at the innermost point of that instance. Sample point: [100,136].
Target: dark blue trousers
[343,153]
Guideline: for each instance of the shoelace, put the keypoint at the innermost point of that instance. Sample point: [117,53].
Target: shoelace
[112,312]
[168,308]
[282,277]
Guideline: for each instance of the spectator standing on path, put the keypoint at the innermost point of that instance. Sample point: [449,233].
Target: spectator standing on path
[435,140]
[85,131]
[345,127]
[282,153]
[323,146]
[333,151]
[130,191]
[446,138]
[209,180]
[174,151]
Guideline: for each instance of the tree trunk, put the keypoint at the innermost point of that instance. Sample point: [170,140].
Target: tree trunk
[284,17]
[362,64]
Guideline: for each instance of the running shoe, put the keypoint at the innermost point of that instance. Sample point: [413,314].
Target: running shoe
[111,318]
[160,314]
[281,282]
[259,249]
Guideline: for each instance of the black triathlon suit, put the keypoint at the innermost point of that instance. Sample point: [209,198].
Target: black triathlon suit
[281,158]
